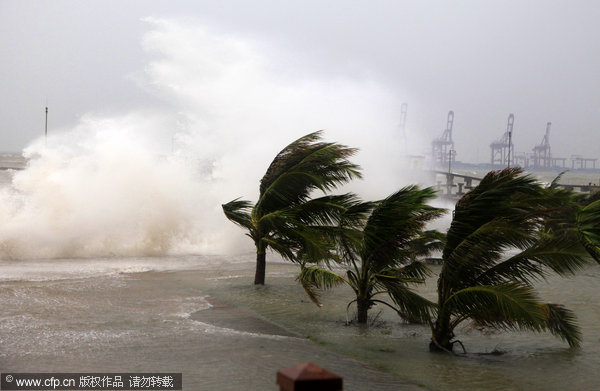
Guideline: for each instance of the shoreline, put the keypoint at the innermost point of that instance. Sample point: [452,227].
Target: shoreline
[356,373]
[227,316]
[222,332]
[162,321]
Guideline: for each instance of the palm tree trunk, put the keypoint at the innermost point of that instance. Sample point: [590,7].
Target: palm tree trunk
[362,309]
[261,266]
[441,336]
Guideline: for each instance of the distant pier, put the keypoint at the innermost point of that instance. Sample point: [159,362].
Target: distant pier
[453,186]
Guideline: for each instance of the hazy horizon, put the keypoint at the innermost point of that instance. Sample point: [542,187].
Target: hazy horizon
[484,60]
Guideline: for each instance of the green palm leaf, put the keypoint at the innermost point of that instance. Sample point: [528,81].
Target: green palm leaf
[562,323]
[563,256]
[588,222]
[507,306]
[374,241]
[303,166]
[286,219]
[238,211]
[394,223]
[410,305]
[314,279]
[506,233]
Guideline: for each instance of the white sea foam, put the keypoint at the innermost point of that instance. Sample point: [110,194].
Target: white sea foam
[225,331]
[61,269]
[151,181]
[187,306]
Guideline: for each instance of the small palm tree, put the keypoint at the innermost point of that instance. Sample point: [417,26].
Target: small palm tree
[587,221]
[378,244]
[285,218]
[507,233]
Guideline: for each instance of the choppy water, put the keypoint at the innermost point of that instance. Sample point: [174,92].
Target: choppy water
[126,314]
[122,319]
[122,314]
[530,361]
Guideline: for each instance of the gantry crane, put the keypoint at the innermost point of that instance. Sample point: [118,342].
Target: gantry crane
[503,148]
[442,147]
[542,156]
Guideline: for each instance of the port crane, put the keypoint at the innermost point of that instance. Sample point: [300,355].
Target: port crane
[542,156]
[503,148]
[442,148]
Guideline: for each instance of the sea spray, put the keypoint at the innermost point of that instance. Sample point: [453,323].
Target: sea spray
[151,181]
[99,189]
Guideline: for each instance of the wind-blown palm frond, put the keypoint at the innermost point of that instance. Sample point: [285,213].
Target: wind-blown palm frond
[287,249]
[588,222]
[560,255]
[426,243]
[473,210]
[348,234]
[507,233]
[507,306]
[562,323]
[285,218]
[414,272]
[238,211]
[287,158]
[394,223]
[303,166]
[374,241]
[554,184]
[409,305]
[323,211]
[314,279]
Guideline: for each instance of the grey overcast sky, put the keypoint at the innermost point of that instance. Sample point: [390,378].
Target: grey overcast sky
[483,59]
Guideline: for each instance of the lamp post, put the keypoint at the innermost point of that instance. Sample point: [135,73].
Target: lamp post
[46,128]
[509,129]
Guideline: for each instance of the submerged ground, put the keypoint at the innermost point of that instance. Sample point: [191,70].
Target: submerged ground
[203,317]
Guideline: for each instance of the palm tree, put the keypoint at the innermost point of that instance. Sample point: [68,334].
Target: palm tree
[378,244]
[587,221]
[507,233]
[285,217]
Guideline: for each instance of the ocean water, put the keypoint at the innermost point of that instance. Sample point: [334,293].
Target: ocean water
[124,313]
[154,314]
[528,361]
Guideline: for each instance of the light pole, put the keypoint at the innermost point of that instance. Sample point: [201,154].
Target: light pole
[46,128]
[509,142]
[509,129]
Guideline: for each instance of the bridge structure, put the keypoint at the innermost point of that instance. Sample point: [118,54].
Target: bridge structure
[579,162]
[453,186]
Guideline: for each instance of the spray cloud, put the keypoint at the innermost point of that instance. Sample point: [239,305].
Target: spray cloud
[152,181]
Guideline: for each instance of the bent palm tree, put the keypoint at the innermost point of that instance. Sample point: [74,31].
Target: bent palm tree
[587,221]
[284,217]
[506,233]
[378,243]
